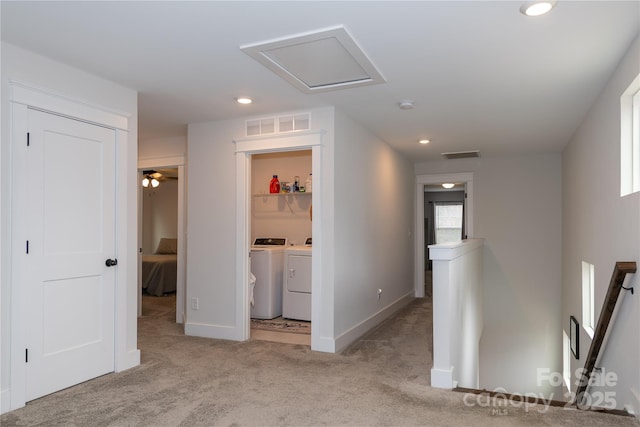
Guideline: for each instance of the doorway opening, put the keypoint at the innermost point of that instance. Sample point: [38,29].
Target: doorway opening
[245,149]
[430,193]
[281,299]
[161,255]
[159,238]
[443,221]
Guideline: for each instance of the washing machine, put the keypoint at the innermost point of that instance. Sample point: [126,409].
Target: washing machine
[296,292]
[267,263]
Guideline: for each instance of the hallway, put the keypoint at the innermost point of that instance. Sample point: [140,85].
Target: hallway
[380,380]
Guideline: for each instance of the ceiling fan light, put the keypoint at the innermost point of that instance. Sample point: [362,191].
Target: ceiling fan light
[155,183]
[145,182]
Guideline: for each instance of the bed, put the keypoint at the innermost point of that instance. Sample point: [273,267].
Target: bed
[160,270]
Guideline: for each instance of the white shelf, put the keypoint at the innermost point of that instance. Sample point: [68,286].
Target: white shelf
[297,193]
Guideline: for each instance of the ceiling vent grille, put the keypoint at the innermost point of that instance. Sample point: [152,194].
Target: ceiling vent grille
[461,154]
[318,61]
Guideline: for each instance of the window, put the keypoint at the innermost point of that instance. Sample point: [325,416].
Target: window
[588,291]
[630,139]
[448,222]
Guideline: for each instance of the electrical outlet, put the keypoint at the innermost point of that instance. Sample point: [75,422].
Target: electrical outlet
[195,303]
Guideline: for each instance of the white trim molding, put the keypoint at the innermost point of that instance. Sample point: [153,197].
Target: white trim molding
[245,147]
[279,142]
[53,102]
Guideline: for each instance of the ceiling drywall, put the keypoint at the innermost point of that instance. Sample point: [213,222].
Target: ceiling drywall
[482,76]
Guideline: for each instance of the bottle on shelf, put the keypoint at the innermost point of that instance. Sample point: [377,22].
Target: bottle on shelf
[307,185]
[274,185]
[296,184]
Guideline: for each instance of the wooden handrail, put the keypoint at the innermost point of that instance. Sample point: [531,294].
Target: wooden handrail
[617,279]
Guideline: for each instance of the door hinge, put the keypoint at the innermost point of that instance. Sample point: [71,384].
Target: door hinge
[465,195]
[28,139]
[27,247]
[26,355]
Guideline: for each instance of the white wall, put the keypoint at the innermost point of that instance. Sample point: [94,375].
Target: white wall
[212,220]
[24,66]
[600,227]
[374,220]
[373,199]
[160,214]
[157,148]
[285,215]
[517,210]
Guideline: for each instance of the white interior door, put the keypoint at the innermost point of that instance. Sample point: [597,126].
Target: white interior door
[71,233]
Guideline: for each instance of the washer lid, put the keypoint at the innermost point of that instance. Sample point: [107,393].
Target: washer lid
[270,241]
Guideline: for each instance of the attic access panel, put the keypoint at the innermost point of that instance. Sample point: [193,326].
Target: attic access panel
[317,62]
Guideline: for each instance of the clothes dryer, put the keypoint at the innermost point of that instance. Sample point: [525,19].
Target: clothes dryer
[296,293]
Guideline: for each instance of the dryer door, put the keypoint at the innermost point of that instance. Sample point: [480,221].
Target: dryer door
[299,274]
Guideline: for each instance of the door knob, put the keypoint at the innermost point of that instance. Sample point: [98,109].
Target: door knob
[111,262]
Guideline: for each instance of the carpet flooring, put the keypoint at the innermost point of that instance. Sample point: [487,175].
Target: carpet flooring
[381,380]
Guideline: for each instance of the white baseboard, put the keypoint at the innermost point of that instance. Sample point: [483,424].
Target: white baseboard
[5,401]
[346,338]
[324,344]
[213,331]
[634,407]
[442,378]
[130,360]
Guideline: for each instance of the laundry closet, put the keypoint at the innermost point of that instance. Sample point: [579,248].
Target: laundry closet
[281,239]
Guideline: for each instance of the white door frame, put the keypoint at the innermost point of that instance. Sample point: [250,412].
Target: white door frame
[421,181]
[23,96]
[245,147]
[167,162]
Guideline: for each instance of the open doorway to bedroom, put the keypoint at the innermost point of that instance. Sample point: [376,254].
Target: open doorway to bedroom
[161,240]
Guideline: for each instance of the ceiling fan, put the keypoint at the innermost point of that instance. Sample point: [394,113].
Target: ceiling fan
[155,177]
[151,177]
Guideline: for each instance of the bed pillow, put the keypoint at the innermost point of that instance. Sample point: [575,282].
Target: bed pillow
[167,246]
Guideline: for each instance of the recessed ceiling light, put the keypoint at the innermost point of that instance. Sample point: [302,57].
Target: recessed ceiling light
[424,141]
[448,185]
[244,100]
[537,8]
[405,105]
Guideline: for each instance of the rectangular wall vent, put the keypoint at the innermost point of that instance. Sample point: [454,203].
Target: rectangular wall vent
[279,124]
[461,154]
